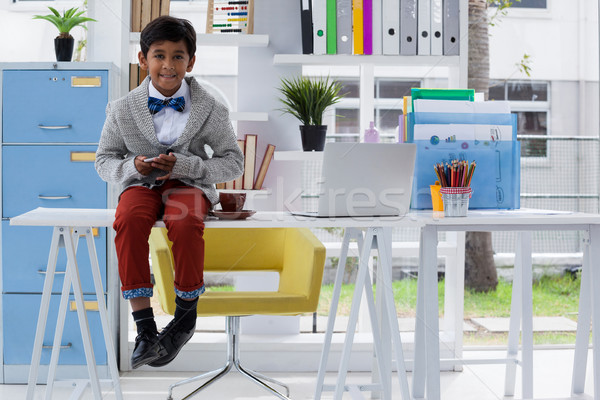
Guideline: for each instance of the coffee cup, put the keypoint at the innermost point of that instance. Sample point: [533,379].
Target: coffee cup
[232,201]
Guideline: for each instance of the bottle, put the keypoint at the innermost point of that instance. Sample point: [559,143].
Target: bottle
[371,134]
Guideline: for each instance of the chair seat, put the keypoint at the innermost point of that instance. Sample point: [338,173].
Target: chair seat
[249,303]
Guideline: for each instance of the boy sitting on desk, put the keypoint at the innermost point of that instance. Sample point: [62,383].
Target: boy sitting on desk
[152,144]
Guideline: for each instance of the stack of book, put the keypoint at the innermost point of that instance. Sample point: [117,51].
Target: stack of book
[389,27]
[251,179]
[144,11]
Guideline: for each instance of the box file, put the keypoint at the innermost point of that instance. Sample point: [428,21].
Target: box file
[408,27]
[437,14]
[451,23]
[377,26]
[319,12]
[306,26]
[391,27]
[331,27]
[424,28]
[344,26]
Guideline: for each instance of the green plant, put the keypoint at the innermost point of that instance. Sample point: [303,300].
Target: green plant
[69,20]
[306,99]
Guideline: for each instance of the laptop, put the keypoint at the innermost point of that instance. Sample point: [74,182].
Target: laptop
[365,179]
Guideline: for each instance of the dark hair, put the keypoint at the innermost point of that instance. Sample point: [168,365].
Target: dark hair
[171,29]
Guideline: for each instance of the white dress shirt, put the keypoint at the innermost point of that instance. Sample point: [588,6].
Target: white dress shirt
[168,122]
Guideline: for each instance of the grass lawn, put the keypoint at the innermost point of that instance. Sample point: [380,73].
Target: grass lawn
[552,296]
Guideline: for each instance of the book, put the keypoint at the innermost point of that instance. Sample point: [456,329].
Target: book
[249,161]
[264,167]
[331,27]
[357,26]
[306,26]
[238,182]
[136,15]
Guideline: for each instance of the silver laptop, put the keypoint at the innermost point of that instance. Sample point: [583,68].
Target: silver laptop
[365,179]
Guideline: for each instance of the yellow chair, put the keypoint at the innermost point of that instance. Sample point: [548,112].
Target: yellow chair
[296,254]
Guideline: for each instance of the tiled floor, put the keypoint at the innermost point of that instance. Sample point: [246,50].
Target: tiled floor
[552,379]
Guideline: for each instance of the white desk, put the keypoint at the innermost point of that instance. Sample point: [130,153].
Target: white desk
[427,355]
[70,223]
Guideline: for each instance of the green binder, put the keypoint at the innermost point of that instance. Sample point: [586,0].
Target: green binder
[442,94]
[331,27]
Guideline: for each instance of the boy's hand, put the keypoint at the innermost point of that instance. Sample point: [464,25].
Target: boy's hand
[166,163]
[143,168]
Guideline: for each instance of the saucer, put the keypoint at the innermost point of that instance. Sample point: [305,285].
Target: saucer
[232,214]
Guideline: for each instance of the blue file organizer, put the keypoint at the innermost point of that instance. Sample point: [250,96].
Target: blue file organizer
[496,181]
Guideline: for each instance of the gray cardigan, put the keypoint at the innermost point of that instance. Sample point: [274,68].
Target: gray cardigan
[129,131]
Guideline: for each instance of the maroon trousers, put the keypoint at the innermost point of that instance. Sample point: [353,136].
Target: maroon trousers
[183,209]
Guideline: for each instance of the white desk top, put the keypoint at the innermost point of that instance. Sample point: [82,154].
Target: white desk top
[476,218]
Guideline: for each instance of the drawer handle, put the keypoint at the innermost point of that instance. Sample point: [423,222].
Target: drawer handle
[62,346]
[54,126]
[41,196]
[44,272]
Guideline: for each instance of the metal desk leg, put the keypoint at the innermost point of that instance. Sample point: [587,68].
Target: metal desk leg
[43,314]
[582,339]
[350,233]
[82,316]
[426,369]
[595,289]
[108,340]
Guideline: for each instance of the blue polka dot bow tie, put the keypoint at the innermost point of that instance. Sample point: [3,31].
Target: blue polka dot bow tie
[155,105]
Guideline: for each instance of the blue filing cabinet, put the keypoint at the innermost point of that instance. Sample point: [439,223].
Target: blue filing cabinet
[52,117]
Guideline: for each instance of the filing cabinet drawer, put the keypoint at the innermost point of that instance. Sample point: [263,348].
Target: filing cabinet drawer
[25,252]
[49,106]
[52,178]
[20,312]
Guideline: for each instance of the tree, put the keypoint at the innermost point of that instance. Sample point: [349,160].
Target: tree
[480,270]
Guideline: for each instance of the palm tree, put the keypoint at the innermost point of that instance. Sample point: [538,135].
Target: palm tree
[480,270]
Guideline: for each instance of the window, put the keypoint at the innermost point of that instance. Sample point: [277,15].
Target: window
[525,4]
[389,95]
[529,100]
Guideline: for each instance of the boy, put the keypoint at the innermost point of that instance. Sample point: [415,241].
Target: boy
[152,144]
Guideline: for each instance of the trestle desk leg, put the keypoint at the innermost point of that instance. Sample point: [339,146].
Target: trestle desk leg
[60,322]
[43,315]
[82,316]
[389,309]
[350,233]
[595,300]
[584,316]
[361,278]
[108,340]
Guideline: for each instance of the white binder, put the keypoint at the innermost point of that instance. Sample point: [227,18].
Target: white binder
[424,28]
[319,9]
[437,40]
[451,23]
[408,27]
[344,26]
[391,27]
[377,27]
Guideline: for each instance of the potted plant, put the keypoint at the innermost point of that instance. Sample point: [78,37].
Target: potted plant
[307,99]
[63,43]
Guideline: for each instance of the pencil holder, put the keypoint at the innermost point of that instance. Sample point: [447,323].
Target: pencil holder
[456,201]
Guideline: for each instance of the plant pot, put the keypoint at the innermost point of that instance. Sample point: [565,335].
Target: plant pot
[63,47]
[313,137]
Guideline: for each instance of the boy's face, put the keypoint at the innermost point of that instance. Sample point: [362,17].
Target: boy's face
[167,64]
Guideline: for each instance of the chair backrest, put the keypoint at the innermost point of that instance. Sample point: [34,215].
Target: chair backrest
[296,254]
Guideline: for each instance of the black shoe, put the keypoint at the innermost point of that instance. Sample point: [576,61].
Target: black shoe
[146,349]
[172,338]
